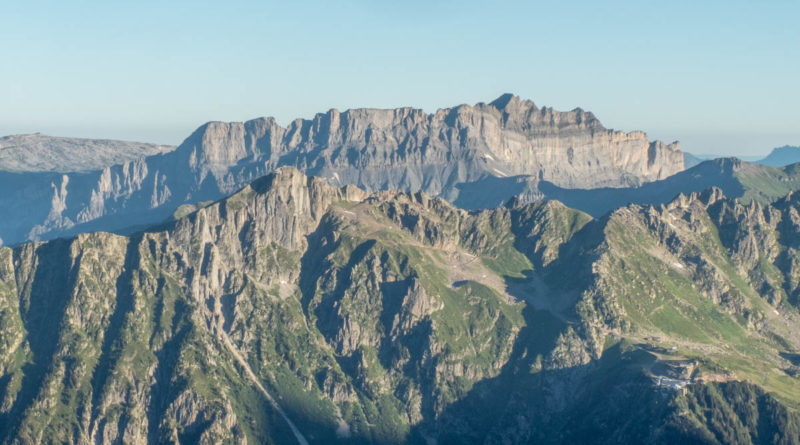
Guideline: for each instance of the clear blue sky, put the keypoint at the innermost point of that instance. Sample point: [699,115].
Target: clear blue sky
[720,76]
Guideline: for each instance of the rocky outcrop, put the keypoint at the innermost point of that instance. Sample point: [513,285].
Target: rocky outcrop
[404,149]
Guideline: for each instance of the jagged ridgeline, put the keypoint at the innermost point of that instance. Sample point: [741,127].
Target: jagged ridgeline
[396,149]
[298,312]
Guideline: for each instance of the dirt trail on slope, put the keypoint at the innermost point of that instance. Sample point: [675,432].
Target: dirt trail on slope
[252,376]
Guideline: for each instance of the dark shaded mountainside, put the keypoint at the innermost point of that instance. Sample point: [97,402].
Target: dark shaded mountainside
[298,312]
[404,148]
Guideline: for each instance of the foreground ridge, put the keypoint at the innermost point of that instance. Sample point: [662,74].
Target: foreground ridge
[295,310]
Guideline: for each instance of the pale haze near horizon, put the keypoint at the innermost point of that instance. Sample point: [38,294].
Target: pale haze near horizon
[720,77]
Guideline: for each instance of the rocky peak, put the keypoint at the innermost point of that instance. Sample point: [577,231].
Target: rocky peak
[283,207]
[504,100]
[732,164]
[704,198]
[792,197]
[710,196]
[512,107]
[215,146]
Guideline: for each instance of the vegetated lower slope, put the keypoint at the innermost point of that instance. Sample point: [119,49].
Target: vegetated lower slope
[294,311]
[403,148]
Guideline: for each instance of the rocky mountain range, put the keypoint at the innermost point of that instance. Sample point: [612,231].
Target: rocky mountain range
[496,273]
[296,311]
[404,149]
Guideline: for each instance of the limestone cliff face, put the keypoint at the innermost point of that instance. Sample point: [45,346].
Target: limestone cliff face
[404,149]
[408,149]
